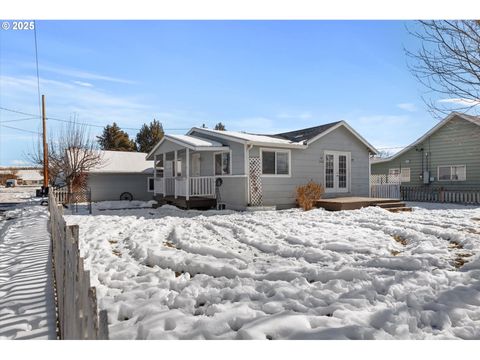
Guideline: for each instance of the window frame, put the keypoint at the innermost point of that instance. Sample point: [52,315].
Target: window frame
[148,184]
[451,167]
[229,165]
[400,174]
[276,150]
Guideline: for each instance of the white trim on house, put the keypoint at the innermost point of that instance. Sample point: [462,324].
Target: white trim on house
[148,184]
[452,166]
[349,128]
[216,146]
[427,135]
[229,163]
[275,142]
[276,150]
[336,188]
[401,173]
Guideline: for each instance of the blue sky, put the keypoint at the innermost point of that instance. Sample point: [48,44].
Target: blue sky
[257,76]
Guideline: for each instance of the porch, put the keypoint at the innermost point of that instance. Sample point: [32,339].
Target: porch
[186,169]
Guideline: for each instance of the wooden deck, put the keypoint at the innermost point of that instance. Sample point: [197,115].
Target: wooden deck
[196,202]
[354,202]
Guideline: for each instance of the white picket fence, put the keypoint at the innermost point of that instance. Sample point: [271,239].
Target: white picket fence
[385,186]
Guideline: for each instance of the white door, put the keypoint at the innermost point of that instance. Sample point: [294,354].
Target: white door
[195,165]
[337,171]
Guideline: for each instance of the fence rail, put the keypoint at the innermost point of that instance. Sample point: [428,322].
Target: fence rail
[385,186]
[415,193]
[79,318]
[387,191]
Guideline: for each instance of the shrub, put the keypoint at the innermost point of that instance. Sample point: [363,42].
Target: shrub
[308,194]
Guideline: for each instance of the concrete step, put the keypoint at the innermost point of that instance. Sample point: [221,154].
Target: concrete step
[399,209]
[391,204]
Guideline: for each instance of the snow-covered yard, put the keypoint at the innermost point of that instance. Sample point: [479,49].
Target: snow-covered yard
[363,274]
[17,194]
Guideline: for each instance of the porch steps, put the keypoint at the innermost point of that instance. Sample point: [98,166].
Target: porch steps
[395,206]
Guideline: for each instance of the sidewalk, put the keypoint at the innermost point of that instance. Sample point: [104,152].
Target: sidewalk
[27,306]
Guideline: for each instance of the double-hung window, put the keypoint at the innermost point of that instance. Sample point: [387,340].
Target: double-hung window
[222,163]
[275,162]
[403,173]
[452,173]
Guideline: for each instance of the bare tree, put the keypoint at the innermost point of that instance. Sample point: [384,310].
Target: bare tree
[448,64]
[72,153]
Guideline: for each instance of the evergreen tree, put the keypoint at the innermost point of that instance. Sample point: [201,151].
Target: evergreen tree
[114,138]
[149,135]
[220,126]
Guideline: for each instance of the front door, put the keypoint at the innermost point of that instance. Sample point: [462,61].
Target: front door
[337,171]
[195,164]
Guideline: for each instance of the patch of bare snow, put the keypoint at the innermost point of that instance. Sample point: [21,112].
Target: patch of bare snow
[365,274]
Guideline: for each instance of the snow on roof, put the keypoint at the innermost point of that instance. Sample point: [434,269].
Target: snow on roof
[123,162]
[31,175]
[246,136]
[195,141]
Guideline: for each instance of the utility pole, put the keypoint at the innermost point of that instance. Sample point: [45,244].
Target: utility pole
[45,149]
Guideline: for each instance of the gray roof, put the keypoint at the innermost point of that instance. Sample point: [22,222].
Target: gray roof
[305,134]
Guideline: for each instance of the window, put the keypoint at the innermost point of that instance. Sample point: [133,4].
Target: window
[394,172]
[452,173]
[150,184]
[222,163]
[404,173]
[275,162]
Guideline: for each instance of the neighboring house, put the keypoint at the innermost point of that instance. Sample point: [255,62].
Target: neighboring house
[121,172]
[447,156]
[261,170]
[24,175]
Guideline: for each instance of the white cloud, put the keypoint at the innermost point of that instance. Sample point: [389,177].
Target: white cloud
[407,107]
[83,83]
[80,74]
[466,102]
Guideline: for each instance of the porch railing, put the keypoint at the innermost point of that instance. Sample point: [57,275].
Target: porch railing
[198,186]
[202,186]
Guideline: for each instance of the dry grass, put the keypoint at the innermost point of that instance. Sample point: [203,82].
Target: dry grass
[455,245]
[394,252]
[400,239]
[308,194]
[169,244]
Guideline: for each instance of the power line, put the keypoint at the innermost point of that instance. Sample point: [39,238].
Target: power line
[24,130]
[15,120]
[79,123]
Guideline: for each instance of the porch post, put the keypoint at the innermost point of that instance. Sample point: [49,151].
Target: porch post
[175,172]
[164,179]
[154,174]
[187,185]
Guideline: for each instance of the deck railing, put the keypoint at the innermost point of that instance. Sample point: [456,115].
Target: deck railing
[418,193]
[180,186]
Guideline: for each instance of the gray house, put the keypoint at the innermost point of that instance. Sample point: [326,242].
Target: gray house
[241,169]
[121,175]
[447,157]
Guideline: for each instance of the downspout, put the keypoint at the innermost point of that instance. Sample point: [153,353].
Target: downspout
[247,169]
